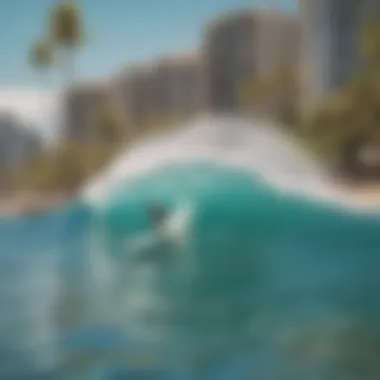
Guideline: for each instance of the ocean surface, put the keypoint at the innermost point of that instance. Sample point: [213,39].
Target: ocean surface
[241,280]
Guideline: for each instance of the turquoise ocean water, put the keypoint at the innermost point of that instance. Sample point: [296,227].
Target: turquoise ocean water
[245,282]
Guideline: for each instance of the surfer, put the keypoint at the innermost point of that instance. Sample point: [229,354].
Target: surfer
[157,214]
[166,235]
[152,246]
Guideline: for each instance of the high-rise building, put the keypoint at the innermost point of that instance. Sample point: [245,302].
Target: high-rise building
[134,86]
[242,46]
[176,86]
[82,104]
[162,89]
[330,30]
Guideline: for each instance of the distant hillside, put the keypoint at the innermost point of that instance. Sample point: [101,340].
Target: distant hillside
[18,143]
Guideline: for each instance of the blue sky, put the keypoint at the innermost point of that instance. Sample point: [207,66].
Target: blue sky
[118,32]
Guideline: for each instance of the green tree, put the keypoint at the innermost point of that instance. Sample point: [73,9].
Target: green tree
[66,31]
[41,56]
[68,164]
[284,91]
[275,94]
[255,90]
[348,122]
[369,43]
[108,128]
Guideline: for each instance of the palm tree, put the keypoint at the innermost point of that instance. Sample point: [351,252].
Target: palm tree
[41,55]
[66,32]
[108,127]
[284,93]
[255,90]
[349,121]
[274,94]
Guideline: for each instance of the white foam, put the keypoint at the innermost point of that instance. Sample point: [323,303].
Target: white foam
[257,147]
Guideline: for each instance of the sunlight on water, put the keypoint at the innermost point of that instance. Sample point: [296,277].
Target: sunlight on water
[27,330]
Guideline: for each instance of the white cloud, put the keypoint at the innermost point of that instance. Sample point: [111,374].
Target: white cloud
[37,108]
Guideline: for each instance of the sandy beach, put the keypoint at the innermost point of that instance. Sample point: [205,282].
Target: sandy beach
[367,193]
[29,203]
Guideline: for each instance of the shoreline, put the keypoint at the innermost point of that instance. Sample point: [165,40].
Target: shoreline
[28,204]
[369,193]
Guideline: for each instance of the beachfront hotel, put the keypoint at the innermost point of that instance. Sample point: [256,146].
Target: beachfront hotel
[166,88]
[242,46]
[134,88]
[176,86]
[330,31]
[236,48]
